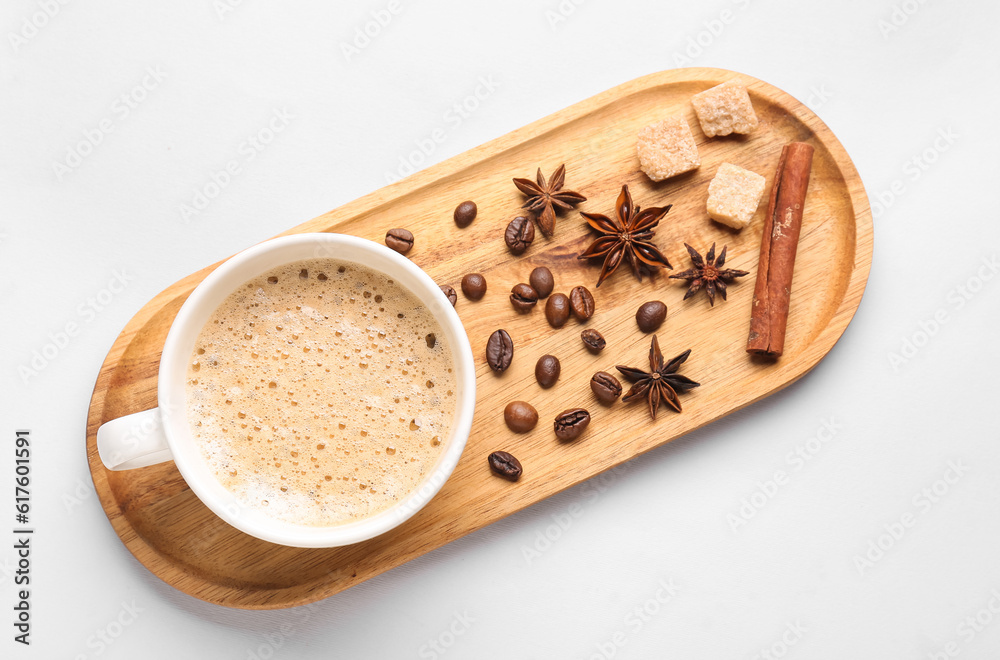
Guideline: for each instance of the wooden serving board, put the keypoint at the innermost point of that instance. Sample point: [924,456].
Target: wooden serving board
[173,534]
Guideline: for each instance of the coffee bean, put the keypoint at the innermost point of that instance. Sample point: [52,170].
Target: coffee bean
[449,293]
[431,340]
[571,423]
[519,235]
[541,281]
[593,340]
[465,213]
[499,351]
[400,240]
[523,297]
[605,387]
[582,303]
[650,315]
[504,465]
[547,370]
[474,286]
[557,310]
[520,416]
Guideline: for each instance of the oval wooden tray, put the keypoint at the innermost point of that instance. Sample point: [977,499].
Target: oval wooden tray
[168,529]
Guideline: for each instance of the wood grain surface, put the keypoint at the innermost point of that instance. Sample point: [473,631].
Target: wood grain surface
[174,535]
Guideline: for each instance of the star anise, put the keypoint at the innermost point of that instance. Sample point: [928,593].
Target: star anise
[626,238]
[661,382]
[544,197]
[708,273]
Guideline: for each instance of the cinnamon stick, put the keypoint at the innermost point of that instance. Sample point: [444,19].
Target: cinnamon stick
[769,315]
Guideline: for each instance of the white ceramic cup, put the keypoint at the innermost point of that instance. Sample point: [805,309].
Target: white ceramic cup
[162,434]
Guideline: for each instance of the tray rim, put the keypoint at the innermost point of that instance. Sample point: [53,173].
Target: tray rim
[206,590]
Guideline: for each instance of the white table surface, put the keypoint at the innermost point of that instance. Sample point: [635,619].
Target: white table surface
[914,440]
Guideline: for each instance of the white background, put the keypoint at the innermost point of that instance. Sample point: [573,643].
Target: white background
[788,581]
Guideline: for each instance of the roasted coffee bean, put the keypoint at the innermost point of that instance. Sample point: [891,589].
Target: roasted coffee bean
[449,292]
[499,351]
[650,315]
[571,423]
[520,416]
[541,281]
[557,310]
[593,340]
[519,235]
[465,213]
[431,340]
[474,286]
[605,387]
[547,370]
[504,465]
[581,302]
[523,297]
[400,240]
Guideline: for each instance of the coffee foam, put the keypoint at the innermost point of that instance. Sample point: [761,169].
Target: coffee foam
[315,394]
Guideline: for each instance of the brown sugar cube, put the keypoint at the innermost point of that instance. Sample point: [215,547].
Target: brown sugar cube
[725,109]
[733,195]
[667,149]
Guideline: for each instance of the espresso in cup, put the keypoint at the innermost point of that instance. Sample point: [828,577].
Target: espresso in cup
[321,392]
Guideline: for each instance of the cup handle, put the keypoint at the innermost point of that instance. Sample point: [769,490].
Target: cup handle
[133,441]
